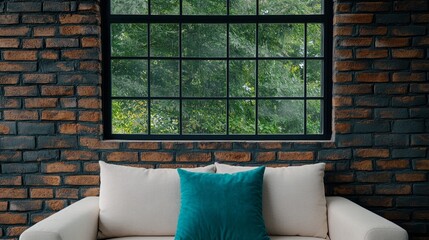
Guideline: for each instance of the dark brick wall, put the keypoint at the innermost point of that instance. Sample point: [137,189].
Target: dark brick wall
[51,128]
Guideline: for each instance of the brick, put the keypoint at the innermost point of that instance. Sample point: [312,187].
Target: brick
[342,101]
[20,55]
[7,128]
[352,140]
[88,6]
[9,18]
[342,127]
[25,205]
[357,113]
[42,180]
[56,142]
[353,18]
[14,31]
[41,193]
[14,193]
[39,18]
[214,145]
[334,154]
[391,140]
[392,18]
[121,156]
[89,103]
[89,116]
[421,214]
[339,177]
[410,177]
[56,115]
[10,156]
[371,101]
[410,5]
[420,65]
[408,101]
[408,126]
[355,42]
[420,18]
[82,180]
[392,164]
[371,153]
[421,112]
[419,88]
[377,201]
[10,180]
[38,78]
[373,6]
[91,167]
[265,156]
[20,91]
[372,77]
[269,145]
[353,89]
[57,90]
[233,156]
[49,55]
[343,30]
[17,142]
[94,143]
[343,54]
[9,43]
[20,115]
[350,66]
[397,189]
[79,30]
[391,89]
[77,18]
[16,231]
[343,7]
[193,157]
[32,43]
[420,139]
[68,102]
[90,42]
[172,145]
[59,167]
[298,156]
[54,6]
[421,189]
[92,66]
[13,218]
[374,177]
[57,66]
[3,207]
[89,78]
[409,30]
[365,165]
[19,168]
[81,54]
[18,66]
[40,102]
[24,6]
[10,103]
[391,65]
[89,192]
[35,128]
[421,41]
[56,205]
[414,201]
[61,42]
[156,157]
[391,113]
[392,42]
[372,30]
[37,217]
[87,91]
[371,54]
[371,126]
[44,32]
[66,193]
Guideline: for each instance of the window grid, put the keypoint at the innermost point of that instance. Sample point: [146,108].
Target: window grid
[228,19]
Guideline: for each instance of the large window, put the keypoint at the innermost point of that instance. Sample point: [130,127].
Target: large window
[217,69]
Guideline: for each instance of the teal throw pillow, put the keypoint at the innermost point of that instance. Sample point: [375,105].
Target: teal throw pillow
[221,206]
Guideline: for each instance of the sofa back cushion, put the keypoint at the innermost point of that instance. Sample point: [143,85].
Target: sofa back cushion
[139,201]
[294,201]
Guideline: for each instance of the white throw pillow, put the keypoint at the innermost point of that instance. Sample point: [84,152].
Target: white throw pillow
[294,201]
[138,201]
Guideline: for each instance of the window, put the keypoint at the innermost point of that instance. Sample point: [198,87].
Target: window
[217,69]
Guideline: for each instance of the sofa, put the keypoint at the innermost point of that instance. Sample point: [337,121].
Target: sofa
[145,204]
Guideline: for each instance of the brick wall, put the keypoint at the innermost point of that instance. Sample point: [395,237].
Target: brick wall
[51,128]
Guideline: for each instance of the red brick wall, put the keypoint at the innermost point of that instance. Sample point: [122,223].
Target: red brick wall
[51,128]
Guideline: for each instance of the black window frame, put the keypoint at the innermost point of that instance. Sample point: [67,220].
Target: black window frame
[326,19]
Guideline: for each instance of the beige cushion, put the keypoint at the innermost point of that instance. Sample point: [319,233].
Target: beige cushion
[139,201]
[294,201]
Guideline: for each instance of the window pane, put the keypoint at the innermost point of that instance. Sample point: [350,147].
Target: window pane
[129,78]
[281,117]
[204,78]
[129,40]
[242,116]
[291,7]
[129,116]
[242,7]
[164,78]
[204,40]
[164,40]
[204,116]
[206,7]
[281,40]
[165,7]
[164,116]
[314,40]
[314,78]
[242,78]
[242,40]
[135,7]
[281,78]
[314,117]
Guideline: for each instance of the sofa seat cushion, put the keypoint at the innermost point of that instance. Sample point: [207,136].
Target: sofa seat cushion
[172,238]
[138,201]
[294,201]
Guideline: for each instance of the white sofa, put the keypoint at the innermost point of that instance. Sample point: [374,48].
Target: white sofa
[304,214]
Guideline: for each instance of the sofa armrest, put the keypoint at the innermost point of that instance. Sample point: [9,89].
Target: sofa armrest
[347,220]
[77,221]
